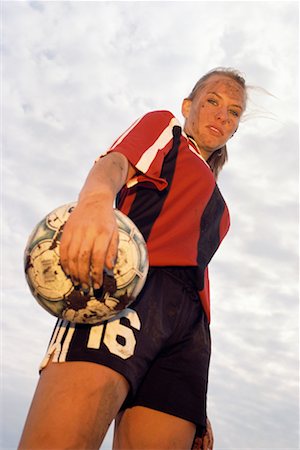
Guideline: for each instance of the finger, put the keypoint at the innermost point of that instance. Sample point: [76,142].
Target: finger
[97,262]
[112,251]
[211,442]
[210,437]
[73,252]
[84,262]
[63,251]
[197,445]
[207,442]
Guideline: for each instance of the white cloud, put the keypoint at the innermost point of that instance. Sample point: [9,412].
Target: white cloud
[75,75]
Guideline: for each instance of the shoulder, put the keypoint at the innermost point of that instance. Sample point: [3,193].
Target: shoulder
[159,115]
[159,119]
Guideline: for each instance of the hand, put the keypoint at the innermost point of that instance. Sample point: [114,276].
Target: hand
[89,242]
[206,442]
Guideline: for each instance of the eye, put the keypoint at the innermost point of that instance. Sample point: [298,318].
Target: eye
[234,113]
[212,101]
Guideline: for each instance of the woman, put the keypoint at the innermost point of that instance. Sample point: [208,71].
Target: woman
[148,367]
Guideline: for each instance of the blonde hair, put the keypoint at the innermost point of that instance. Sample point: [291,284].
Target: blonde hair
[219,157]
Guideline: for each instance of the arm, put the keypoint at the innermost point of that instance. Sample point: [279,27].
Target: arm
[90,237]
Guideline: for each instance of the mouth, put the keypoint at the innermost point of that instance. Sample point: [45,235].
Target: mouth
[215,130]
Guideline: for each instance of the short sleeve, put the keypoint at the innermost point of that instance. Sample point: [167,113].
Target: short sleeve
[145,145]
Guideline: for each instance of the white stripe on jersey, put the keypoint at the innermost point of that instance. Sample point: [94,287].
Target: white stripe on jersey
[125,133]
[195,151]
[198,154]
[150,154]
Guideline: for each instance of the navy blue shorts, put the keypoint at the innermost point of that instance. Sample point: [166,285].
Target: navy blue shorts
[160,343]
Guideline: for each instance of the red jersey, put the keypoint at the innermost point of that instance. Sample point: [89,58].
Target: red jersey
[173,199]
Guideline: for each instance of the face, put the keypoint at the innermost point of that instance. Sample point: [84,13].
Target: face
[213,116]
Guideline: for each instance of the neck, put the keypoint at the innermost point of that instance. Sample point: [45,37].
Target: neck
[205,155]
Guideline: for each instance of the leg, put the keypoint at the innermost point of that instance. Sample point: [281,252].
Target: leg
[146,429]
[73,406]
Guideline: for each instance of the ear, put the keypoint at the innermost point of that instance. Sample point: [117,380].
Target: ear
[185,107]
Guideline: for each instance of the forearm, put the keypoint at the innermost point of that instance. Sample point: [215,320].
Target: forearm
[105,179]
[90,238]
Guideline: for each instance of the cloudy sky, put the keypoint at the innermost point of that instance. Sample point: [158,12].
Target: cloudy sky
[76,75]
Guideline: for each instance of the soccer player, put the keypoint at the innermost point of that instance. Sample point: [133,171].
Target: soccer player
[148,367]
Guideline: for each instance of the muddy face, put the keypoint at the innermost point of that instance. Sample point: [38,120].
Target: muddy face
[213,116]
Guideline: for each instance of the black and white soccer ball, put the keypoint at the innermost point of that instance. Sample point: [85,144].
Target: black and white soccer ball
[56,293]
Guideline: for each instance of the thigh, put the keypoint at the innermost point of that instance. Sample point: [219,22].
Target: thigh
[73,406]
[147,429]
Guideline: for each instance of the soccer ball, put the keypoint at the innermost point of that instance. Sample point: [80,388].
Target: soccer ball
[56,293]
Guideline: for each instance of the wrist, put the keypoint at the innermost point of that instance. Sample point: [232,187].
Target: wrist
[92,197]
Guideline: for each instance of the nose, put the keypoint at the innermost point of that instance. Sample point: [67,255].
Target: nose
[222,115]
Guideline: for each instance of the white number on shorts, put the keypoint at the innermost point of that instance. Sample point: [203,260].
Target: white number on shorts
[118,338]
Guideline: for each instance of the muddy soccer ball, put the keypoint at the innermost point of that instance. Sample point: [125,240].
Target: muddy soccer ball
[56,293]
